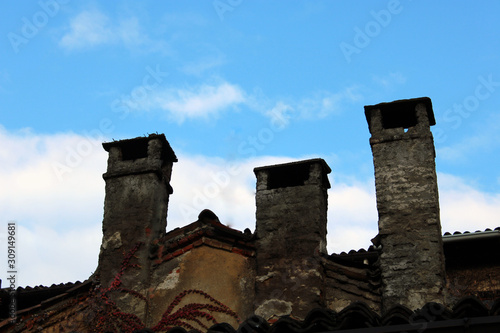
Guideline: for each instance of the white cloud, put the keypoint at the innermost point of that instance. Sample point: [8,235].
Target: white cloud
[464,208]
[49,256]
[225,187]
[59,222]
[43,170]
[352,215]
[87,29]
[344,237]
[91,28]
[202,101]
[314,106]
[211,183]
[208,100]
[280,114]
[322,104]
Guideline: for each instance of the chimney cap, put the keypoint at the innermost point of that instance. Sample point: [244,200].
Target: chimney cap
[403,110]
[293,173]
[321,161]
[167,151]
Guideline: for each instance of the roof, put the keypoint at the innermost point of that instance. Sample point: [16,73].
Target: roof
[360,256]
[32,299]
[460,245]
[468,249]
[207,230]
[457,235]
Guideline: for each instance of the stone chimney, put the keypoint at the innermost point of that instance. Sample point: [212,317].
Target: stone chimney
[291,232]
[135,209]
[412,259]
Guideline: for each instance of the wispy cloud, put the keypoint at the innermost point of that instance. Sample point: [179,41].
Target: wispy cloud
[322,104]
[280,114]
[208,100]
[88,29]
[203,101]
[92,28]
[314,106]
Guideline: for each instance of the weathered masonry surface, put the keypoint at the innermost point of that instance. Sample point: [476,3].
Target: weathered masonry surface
[279,278]
[407,203]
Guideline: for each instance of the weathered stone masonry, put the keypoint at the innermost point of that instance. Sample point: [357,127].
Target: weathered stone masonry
[290,235]
[135,211]
[411,258]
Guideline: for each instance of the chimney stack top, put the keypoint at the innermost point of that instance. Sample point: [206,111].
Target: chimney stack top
[398,114]
[138,147]
[294,174]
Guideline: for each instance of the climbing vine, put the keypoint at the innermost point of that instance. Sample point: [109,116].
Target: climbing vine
[199,313]
[107,316]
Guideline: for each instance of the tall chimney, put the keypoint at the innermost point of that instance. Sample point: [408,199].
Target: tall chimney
[135,210]
[291,231]
[412,259]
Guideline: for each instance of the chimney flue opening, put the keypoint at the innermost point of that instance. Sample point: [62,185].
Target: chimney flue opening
[288,176]
[396,118]
[134,149]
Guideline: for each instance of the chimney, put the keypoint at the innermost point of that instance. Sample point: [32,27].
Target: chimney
[135,209]
[291,232]
[412,259]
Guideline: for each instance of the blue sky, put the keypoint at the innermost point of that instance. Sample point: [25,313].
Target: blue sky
[234,82]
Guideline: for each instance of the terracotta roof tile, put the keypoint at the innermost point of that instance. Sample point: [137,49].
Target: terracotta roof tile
[488,230]
[38,297]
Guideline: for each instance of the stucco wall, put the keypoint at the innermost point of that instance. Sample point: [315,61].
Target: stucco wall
[226,276]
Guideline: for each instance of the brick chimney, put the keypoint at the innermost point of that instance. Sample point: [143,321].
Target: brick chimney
[291,232]
[412,259]
[135,209]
